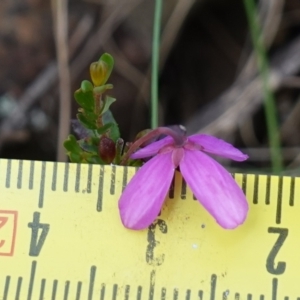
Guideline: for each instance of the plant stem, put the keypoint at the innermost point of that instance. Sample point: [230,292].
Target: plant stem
[98,103]
[269,101]
[155,63]
[179,140]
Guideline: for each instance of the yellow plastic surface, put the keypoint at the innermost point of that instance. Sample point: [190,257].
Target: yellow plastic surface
[61,238]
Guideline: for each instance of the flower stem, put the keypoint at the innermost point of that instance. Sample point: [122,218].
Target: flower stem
[155,63]
[269,101]
[179,139]
[98,100]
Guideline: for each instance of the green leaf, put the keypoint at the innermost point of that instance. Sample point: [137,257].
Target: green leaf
[88,147]
[109,61]
[119,151]
[103,88]
[114,132]
[71,144]
[104,128]
[134,162]
[94,159]
[86,86]
[75,158]
[85,99]
[90,115]
[86,122]
[108,101]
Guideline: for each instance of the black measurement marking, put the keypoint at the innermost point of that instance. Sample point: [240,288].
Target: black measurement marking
[225,295]
[77,180]
[172,187]
[213,283]
[136,169]
[19,286]
[42,185]
[292,191]
[66,177]
[31,280]
[237,296]
[8,174]
[100,189]
[31,175]
[124,181]
[188,295]
[270,264]
[36,243]
[261,297]
[139,293]
[286,298]
[112,180]
[42,290]
[163,294]
[249,297]
[152,242]
[268,186]
[175,294]
[115,291]
[54,289]
[127,290]
[102,291]
[152,285]
[200,294]
[183,189]
[279,201]
[274,288]
[89,180]
[244,183]
[92,282]
[6,287]
[78,290]
[255,192]
[67,287]
[194,197]
[54,176]
[20,173]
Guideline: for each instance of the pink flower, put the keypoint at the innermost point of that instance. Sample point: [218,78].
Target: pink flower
[212,185]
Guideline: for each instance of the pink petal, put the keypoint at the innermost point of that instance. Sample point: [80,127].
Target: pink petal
[217,146]
[143,197]
[215,188]
[152,149]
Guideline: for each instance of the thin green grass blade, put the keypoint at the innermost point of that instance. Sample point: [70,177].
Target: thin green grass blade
[155,63]
[269,101]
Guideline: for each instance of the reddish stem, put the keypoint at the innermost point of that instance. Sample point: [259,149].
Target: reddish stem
[179,139]
[98,103]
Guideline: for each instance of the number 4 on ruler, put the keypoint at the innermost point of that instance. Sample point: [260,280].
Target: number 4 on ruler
[36,243]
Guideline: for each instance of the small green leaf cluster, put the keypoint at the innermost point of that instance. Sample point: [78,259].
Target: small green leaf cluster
[101,142]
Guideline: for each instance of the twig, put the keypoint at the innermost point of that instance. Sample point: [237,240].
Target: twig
[244,96]
[60,16]
[47,78]
[40,85]
[116,15]
[125,68]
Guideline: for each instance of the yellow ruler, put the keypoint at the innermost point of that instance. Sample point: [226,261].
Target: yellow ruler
[61,238]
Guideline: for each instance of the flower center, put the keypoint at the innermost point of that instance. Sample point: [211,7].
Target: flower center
[192,146]
[177,156]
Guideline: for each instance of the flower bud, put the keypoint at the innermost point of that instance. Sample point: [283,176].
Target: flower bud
[101,70]
[107,149]
[98,72]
